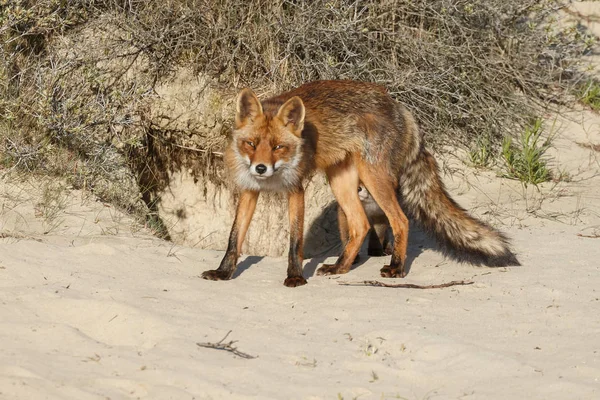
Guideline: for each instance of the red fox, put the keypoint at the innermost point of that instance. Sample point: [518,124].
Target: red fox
[354,132]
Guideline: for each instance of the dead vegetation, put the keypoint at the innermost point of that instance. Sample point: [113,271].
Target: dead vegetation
[80,80]
[592,146]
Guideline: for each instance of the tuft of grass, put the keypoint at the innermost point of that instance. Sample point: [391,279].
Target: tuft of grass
[525,160]
[52,203]
[481,153]
[590,95]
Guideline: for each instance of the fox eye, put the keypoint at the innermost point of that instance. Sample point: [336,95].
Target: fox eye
[251,144]
[279,146]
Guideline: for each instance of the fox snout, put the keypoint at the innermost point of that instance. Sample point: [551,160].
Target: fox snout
[261,170]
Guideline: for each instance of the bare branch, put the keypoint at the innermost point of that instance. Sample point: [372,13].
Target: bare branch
[406,285]
[227,347]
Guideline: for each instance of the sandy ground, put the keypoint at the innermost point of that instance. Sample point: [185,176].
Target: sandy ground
[93,307]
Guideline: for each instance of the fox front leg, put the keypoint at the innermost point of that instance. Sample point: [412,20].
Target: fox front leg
[243,216]
[296,256]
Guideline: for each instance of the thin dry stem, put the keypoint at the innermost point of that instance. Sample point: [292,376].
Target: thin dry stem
[226,346]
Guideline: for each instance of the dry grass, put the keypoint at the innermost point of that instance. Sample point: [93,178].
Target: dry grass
[78,79]
[52,202]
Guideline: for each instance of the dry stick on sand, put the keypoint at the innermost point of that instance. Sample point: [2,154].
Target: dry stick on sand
[227,347]
[595,147]
[593,236]
[406,285]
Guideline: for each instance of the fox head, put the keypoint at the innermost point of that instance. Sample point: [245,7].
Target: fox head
[266,147]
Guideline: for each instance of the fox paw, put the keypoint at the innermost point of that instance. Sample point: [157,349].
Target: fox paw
[389,272]
[216,275]
[330,269]
[293,281]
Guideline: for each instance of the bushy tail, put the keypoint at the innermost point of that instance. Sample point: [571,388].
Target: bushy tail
[425,199]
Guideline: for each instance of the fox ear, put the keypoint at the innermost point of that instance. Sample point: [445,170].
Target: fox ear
[248,107]
[291,113]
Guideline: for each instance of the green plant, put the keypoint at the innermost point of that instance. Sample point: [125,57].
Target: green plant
[525,160]
[590,94]
[481,152]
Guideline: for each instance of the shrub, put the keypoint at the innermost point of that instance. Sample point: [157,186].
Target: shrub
[78,78]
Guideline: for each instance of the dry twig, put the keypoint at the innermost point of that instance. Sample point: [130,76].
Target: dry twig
[593,236]
[592,146]
[227,347]
[406,285]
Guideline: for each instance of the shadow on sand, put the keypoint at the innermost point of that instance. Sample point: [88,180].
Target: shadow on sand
[322,241]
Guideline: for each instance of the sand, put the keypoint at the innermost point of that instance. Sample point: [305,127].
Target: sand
[93,309]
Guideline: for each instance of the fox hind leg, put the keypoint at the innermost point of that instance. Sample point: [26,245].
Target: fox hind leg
[343,180]
[383,189]
[343,228]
